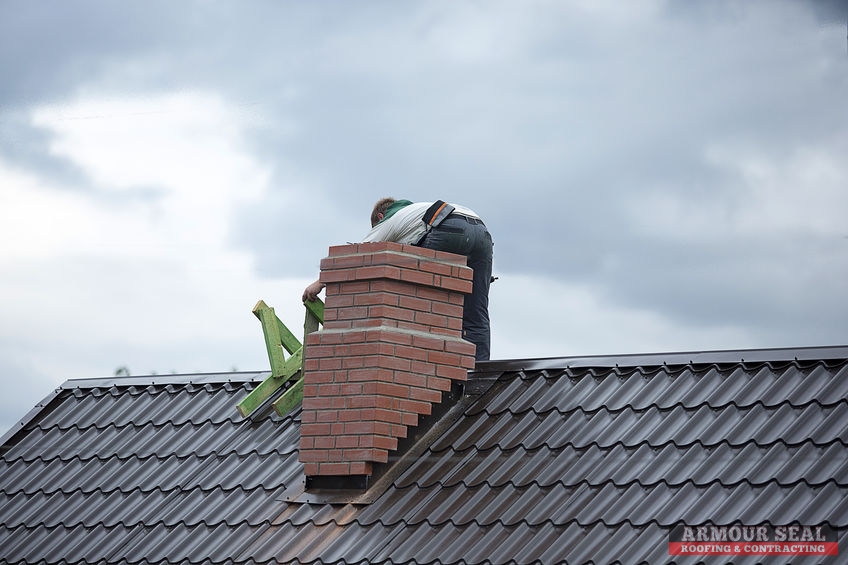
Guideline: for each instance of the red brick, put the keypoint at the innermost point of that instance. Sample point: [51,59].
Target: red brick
[456,298]
[423,368]
[433,320]
[345,442]
[413,406]
[411,379]
[352,362]
[322,338]
[366,454]
[390,416]
[372,247]
[460,347]
[391,312]
[417,277]
[455,324]
[337,325]
[327,416]
[353,313]
[310,469]
[373,348]
[422,251]
[338,301]
[388,362]
[413,327]
[383,442]
[404,260]
[432,294]
[315,429]
[412,353]
[317,402]
[393,390]
[349,416]
[369,323]
[354,336]
[308,417]
[362,401]
[382,401]
[393,287]
[320,351]
[424,342]
[327,390]
[439,383]
[322,442]
[368,428]
[360,468]
[455,373]
[449,333]
[337,250]
[377,272]
[425,395]
[370,374]
[374,298]
[443,358]
[329,277]
[313,455]
[342,262]
[334,469]
[454,284]
[437,268]
[389,336]
[329,364]
[352,287]
[347,390]
[450,310]
[417,304]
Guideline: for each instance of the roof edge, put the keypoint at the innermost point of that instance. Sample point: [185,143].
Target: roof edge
[777,354]
[180,379]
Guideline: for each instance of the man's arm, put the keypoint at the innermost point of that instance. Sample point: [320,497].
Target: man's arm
[312,291]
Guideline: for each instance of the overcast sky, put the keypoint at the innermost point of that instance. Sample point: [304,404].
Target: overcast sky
[657,176]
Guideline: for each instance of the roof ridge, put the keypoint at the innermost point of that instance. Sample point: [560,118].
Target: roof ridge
[776,354]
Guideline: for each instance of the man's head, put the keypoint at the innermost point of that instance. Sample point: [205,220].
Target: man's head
[379,211]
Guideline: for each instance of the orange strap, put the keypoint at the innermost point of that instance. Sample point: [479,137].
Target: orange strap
[436,215]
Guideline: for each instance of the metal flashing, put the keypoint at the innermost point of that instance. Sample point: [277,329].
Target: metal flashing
[157,380]
[670,358]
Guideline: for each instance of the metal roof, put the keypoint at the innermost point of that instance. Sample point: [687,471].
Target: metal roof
[573,460]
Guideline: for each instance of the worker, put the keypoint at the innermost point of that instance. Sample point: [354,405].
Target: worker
[443,227]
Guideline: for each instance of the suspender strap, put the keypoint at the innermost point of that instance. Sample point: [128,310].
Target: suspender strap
[436,213]
[434,216]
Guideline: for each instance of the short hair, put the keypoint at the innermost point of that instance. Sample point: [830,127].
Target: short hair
[380,208]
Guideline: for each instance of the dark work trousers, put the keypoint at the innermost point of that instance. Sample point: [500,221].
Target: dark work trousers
[468,236]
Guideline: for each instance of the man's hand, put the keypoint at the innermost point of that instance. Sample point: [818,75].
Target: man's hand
[312,291]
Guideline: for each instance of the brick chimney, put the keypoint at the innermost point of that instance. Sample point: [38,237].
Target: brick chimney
[391,345]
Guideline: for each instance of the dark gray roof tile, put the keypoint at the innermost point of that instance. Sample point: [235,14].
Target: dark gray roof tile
[640,388]
[573,460]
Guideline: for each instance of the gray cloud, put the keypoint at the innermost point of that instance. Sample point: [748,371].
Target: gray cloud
[550,123]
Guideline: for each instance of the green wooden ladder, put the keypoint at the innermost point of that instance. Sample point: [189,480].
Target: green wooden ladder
[277,339]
